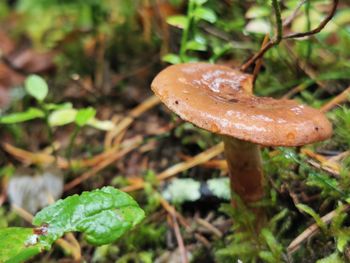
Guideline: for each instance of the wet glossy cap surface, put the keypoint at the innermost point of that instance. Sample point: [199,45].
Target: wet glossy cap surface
[217,98]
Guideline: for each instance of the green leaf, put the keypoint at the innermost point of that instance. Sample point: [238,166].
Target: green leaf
[333,258]
[272,243]
[62,117]
[103,215]
[267,256]
[238,249]
[342,240]
[84,115]
[196,46]
[178,21]
[53,106]
[172,59]
[257,12]
[101,125]
[37,87]
[205,14]
[18,244]
[314,215]
[30,114]
[199,2]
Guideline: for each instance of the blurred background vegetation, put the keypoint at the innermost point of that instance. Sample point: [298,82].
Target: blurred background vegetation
[104,54]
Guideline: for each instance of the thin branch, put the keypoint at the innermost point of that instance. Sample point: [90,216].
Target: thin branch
[290,19]
[275,41]
[336,100]
[259,62]
[271,43]
[180,241]
[320,26]
[173,215]
[182,166]
[313,230]
[258,55]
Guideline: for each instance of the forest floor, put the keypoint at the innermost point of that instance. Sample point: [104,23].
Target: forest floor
[106,59]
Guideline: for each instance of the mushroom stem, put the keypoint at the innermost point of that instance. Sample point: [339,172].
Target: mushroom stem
[245,168]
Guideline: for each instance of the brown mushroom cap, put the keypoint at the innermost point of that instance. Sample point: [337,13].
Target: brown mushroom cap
[218,99]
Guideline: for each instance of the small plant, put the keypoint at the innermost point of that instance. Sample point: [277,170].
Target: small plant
[103,215]
[53,114]
[191,39]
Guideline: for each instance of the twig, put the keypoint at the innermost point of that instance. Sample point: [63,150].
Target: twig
[275,41]
[325,164]
[179,239]
[45,158]
[290,19]
[203,240]
[339,157]
[272,42]
[212,30]
[320,26]
[313,230]
[22,213]
[128,120]
[171,210]
[329,170]
[180,167]
[336,100]
[213,164]
[198,159]
[295,90]
[29,157]
[131,145]
[172,216]
[259,61]
[209,226]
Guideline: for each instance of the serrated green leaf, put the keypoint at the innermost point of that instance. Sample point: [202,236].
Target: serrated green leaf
[30,114]
[103,215]
[172,59]
[205,14]
[84,115]
[178,21]
[62,117]
[37,87]
[18,244]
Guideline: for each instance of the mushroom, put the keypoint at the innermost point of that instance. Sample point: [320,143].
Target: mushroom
[219,99]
